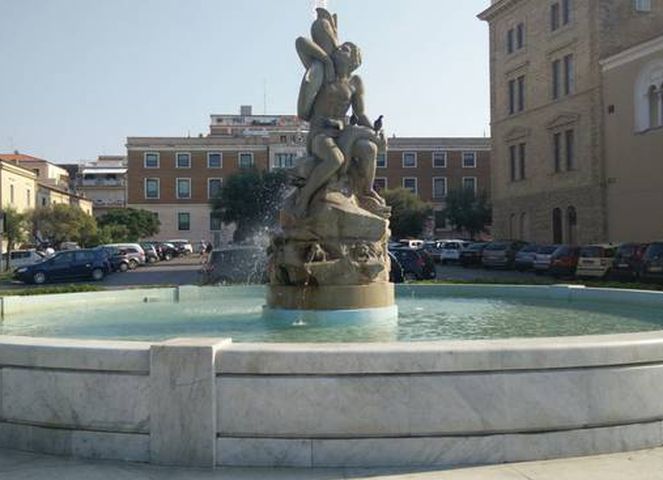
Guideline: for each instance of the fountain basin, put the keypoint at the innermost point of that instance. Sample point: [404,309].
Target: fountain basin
[207,401]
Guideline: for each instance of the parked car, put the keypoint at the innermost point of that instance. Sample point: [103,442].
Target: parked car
[628,261]
[451,250]
[433,248]
[501,254]
[183,246]
[652,262]
[564,261]
[69,246]
[471,255]
[167,251]
[543,258]
[411,243]
[596,261]
[119,259]
[236,264]
[525,257]
[151,254]
[67,265]
[415,264]
[21,258]
[135,252]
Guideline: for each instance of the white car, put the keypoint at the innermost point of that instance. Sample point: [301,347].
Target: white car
[182,243]
[22,258]
[450,251]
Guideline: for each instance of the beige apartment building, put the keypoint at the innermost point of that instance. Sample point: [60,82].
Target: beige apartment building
[103,182]
[551,117]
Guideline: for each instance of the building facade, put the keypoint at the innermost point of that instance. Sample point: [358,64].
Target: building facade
[177,177]
[550,173]
[103,182]
[432,167]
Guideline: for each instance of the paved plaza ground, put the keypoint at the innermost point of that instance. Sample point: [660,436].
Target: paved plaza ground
[642,465]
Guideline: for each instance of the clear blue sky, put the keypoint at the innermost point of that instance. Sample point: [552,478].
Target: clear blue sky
[79,76]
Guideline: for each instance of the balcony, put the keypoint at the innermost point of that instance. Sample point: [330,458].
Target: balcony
[102,182]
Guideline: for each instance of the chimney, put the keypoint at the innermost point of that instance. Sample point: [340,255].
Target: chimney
[246,110]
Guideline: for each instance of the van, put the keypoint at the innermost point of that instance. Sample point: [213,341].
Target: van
[596,261]
[21,258]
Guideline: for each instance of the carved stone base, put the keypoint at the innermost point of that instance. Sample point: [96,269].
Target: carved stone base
[347,297]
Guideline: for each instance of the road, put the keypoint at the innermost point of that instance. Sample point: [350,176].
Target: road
[179,271]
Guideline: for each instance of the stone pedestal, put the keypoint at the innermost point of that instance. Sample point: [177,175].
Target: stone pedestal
[331,297]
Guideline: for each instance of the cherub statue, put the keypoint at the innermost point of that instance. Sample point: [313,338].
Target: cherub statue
[329,88]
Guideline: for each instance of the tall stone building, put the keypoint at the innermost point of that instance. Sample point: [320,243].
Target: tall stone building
[550,173]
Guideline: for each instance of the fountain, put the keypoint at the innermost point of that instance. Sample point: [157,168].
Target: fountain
[330,258]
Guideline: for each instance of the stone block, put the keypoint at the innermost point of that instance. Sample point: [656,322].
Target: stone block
[183,402]
[263,452]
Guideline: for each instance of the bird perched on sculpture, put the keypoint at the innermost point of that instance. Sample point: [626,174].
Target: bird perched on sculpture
[377,125]
[354,119]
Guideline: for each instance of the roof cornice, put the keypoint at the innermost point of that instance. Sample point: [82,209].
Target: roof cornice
[497,8]
[634,53]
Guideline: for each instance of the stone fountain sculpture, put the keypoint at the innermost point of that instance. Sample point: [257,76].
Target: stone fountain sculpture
[331,251]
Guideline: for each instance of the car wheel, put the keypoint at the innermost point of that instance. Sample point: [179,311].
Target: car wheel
[123,267]
[39,278]
[133,264]
[97,274]
[410,277]
[167,257]
[151,260]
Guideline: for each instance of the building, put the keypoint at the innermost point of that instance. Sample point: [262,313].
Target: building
[103,181]
[432,167]
[51,184]
[633,98]
[550,180]
[176,177]
[18,186]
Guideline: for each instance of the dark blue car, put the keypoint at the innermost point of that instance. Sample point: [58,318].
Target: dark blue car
[68,265]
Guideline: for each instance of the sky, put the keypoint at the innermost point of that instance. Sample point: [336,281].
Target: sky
[77,77]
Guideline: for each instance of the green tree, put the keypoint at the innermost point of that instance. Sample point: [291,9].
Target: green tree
[468,212]
[129,224]
[16,229]
[64,223]
[252,200]
[408,212]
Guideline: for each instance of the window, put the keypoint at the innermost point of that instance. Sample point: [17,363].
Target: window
[642,5]
[28,197]
[569,137]
[557,226]
[566,12]
[184,221]
[214,187]
[470,183]
[517,95]
[152,188]
[380,184]
[510,40]
[183,160]
[439,159]
[215,222]
[214,160]
[151,160]
[409,160]
[381,160]
[246,160]
[43,202]
[11,194]
[556,78]
[649,97]
[568,74]
[522,149]
[554,17]
[520,36]
[557,151]
[439,187]
[440,220]
[284,139]
[284,160]
[513,159]
[469,160]
[183,188]
[410,183]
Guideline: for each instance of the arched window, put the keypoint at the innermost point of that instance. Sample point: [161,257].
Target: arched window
[572,225]
[557,225]
[654,96]
[649,96]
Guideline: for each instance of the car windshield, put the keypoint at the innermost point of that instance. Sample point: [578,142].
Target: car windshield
[548,250]
[497,246]
[476,246]
[529,249]
[591,252]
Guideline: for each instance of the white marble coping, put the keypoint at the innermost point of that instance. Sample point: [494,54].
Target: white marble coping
[55,353]
[441,357]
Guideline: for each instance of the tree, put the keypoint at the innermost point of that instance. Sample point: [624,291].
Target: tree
[64,223]
[408,212]
[16,229]
[467,211]
[129,224]
[252,200]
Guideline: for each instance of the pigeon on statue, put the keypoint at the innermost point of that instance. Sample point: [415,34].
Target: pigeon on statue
[354,119]
[377,126]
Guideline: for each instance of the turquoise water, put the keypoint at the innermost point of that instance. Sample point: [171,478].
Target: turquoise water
[421,318]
